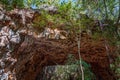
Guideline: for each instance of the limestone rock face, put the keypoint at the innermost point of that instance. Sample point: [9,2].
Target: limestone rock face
[60,72]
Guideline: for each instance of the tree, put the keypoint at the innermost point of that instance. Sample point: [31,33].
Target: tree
[10,4]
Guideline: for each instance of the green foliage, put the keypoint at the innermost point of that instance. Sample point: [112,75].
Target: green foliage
[40,22]
[10,4]
[70,60]
[87,70]
[65,72]
[89,75]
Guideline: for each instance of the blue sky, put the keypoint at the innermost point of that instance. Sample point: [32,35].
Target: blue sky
[67,0]
[63,0]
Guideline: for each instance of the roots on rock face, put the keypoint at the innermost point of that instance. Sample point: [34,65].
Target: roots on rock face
[33,55]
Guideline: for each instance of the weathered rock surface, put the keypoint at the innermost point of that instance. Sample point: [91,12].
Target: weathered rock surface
[33,54]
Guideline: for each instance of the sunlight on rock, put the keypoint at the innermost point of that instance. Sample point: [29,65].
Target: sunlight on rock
[49,33]
[7,37]
[48,7]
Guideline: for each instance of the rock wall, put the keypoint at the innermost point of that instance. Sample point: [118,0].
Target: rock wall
[34,56]
[30,55]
